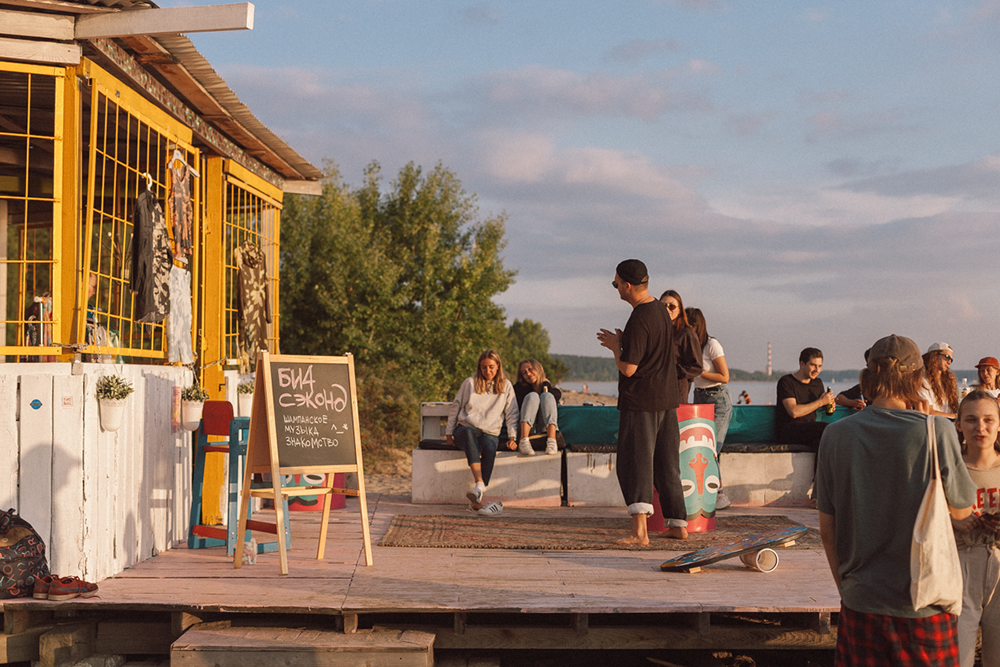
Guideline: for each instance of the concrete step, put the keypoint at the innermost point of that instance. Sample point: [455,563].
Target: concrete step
[301,647]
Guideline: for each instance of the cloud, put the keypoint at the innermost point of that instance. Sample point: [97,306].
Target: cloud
[821,98]
[853,167]
[979,180]
[826,125]
[537,91]
[834,264]
[704,5]
[482,13]
[748,124]
[814,15]
[635,50]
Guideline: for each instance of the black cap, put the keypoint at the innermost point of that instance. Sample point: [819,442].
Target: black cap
[632,271]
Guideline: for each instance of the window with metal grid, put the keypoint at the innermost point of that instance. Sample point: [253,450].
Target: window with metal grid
[251,216]
[128,154]
[30,165]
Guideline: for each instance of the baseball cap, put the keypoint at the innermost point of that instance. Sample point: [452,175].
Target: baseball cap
[988,361]
[632,271]
[941,347]
[900,348]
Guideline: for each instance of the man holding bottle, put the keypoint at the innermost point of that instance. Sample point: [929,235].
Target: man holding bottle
[800,395]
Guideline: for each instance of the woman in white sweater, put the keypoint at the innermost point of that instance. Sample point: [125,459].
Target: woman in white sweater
[483,403]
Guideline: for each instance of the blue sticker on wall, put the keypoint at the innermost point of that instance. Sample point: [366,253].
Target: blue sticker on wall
[35,404]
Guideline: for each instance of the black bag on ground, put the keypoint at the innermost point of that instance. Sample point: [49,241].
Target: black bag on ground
[22,556]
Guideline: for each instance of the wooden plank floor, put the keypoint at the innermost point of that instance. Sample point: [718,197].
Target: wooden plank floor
[460,580]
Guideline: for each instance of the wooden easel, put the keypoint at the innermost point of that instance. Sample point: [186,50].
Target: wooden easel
[286,386]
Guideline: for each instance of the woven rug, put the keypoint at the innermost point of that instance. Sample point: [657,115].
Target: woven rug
[554,532]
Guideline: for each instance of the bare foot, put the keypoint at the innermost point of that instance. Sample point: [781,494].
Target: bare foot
[633,539]
[675,533]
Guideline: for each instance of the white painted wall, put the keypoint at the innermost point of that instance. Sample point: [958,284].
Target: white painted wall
[101,501]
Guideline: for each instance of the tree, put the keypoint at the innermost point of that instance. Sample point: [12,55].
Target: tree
[404,278]
[527,339]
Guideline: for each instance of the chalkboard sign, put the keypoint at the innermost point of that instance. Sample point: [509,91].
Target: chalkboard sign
[304,420]
[313,414]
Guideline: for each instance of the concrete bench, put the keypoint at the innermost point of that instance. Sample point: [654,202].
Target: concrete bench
[751,478]
[441,476]
[756,471]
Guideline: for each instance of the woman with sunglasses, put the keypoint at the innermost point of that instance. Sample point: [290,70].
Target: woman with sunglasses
[687,349]
[537,400]
[940,389]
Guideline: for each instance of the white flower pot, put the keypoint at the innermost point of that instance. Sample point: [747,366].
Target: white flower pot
[245,402]
[112,411]
[191,414]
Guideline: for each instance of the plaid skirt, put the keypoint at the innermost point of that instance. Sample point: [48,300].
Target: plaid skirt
[870,640]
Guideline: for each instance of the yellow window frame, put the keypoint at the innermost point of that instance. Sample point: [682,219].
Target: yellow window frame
[250,194]
[109,94]
[56,266]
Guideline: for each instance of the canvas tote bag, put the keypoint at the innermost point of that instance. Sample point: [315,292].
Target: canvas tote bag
[935,573]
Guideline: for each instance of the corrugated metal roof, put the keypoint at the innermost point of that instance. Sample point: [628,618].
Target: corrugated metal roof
[181,48]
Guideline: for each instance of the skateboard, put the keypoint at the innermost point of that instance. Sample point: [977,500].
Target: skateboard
[693,562]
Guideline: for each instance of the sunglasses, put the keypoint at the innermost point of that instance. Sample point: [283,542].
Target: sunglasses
[614,283]
[947,357]
[671,306]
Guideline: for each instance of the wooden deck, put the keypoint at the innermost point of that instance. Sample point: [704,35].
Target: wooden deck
[471,598]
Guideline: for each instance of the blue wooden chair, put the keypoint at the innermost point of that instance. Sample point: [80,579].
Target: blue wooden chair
[217,420]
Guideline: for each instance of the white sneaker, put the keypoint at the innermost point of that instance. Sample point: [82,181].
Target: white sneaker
[524,448]
[475,494]
[492,509]
[722,501]
[550,446]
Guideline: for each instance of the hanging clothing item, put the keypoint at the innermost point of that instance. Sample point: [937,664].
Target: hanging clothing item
[33,328]
[179,320]
[253,303]
[151,260]
[181,207]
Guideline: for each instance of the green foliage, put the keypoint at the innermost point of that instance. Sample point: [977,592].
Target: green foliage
[527,339]
[245,387]
[194,393]
[113,387]
[388,412]
[403,277]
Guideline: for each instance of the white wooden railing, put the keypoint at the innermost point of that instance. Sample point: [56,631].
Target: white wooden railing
[101,501]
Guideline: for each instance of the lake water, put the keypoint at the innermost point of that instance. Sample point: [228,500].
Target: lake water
[761,393]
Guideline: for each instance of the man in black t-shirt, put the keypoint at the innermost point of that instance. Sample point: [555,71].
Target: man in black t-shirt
[799,396]
[648,454]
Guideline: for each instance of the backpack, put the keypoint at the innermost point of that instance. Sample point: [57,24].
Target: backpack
[22,556]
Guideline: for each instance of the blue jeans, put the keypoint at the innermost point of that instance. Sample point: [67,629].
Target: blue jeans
[539,410]
[480,447]
[719,397]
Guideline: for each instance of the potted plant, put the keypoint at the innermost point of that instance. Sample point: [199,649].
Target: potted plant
[112,390]
[244,397]
[192,401]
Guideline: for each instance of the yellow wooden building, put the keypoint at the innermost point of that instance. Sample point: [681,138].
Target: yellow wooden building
[101,100]
[97,97]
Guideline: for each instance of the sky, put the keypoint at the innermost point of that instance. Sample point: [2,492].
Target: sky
[806,174]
